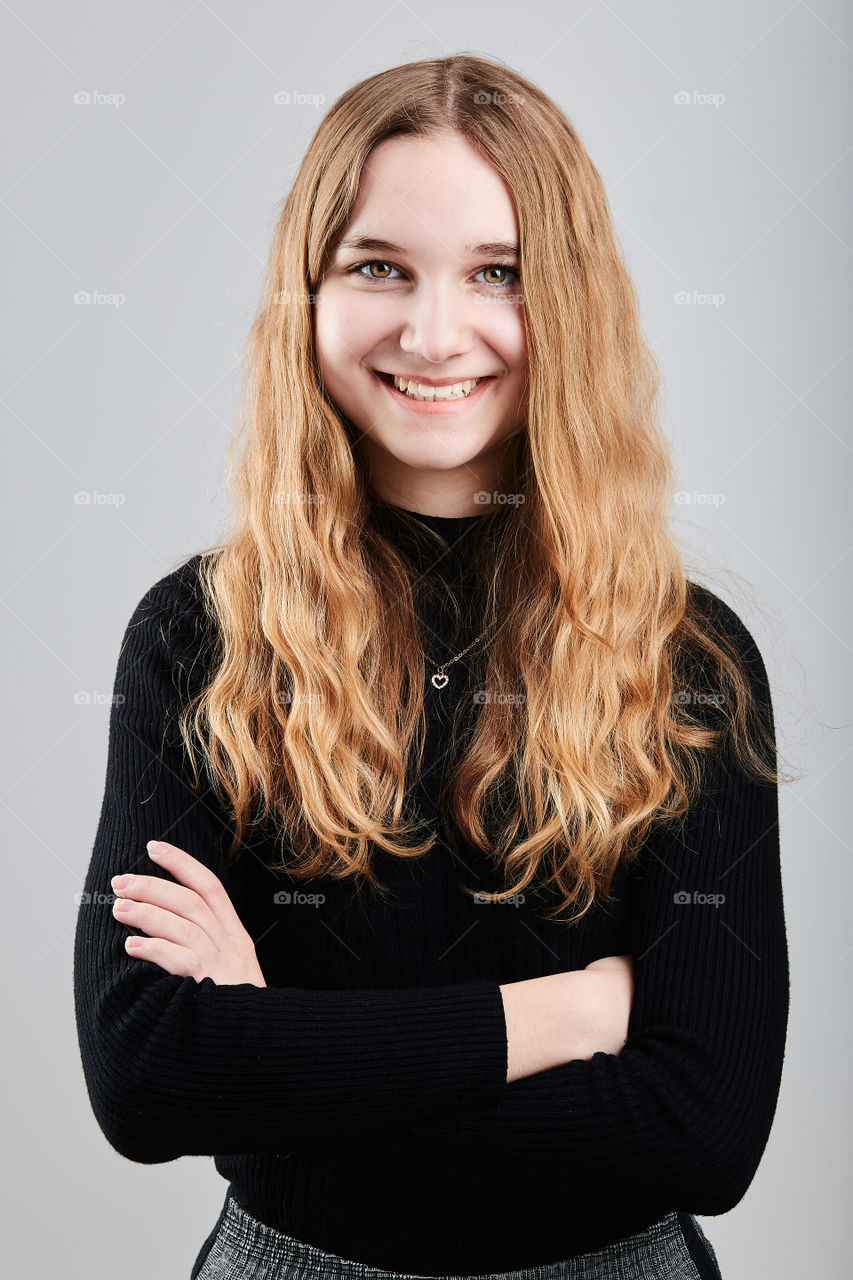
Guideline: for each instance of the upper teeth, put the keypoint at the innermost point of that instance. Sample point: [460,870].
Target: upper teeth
[420,391]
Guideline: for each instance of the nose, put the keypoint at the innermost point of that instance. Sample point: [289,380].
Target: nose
[437,325]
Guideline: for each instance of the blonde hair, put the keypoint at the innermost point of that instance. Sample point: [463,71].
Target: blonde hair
[313,716]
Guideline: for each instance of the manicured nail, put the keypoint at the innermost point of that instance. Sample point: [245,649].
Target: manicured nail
[132,942]
[155,848]
[120,882]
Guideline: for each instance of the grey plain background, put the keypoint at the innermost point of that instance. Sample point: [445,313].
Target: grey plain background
[723,134]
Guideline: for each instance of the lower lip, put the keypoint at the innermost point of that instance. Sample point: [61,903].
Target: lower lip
[438,406]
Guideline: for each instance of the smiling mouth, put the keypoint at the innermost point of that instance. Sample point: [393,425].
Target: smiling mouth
[427,392]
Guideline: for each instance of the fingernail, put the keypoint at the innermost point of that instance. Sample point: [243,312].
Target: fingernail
[120,882]
[155,848]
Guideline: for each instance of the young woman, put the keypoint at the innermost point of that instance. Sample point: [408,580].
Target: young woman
[461,946]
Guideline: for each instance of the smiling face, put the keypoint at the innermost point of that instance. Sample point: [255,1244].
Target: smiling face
[423,283]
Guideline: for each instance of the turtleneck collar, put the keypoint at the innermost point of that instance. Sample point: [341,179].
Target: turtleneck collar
[441,524]
[400,525]
[448,586]
[445,525]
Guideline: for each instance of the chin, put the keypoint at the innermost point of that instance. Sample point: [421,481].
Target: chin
[436,444]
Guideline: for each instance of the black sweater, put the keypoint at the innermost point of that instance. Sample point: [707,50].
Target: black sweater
[359,1102]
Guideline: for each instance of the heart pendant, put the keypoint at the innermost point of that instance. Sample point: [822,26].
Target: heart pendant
[440,680]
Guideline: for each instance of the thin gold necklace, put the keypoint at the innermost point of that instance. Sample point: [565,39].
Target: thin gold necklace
[440,677]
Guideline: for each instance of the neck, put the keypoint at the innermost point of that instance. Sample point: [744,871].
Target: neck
[458,493]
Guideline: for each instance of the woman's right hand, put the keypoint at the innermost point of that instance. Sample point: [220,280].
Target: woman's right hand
[614,991]
[562,1016]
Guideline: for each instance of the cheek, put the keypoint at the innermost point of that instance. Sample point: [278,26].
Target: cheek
[505,333]
[347,328]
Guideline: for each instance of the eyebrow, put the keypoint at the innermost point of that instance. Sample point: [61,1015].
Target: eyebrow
[494,248]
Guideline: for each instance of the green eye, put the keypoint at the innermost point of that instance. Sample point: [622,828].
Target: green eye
[364,269]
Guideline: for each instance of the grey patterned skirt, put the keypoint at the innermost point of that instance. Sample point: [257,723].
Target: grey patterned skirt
[242,1248]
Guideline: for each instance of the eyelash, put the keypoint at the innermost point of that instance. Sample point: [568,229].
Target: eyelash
[357,270]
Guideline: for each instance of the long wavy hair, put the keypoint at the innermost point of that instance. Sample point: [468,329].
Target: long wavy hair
[312,716]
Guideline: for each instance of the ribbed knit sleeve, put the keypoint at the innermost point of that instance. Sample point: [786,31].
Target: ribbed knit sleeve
[179,1067]
[681,1116]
